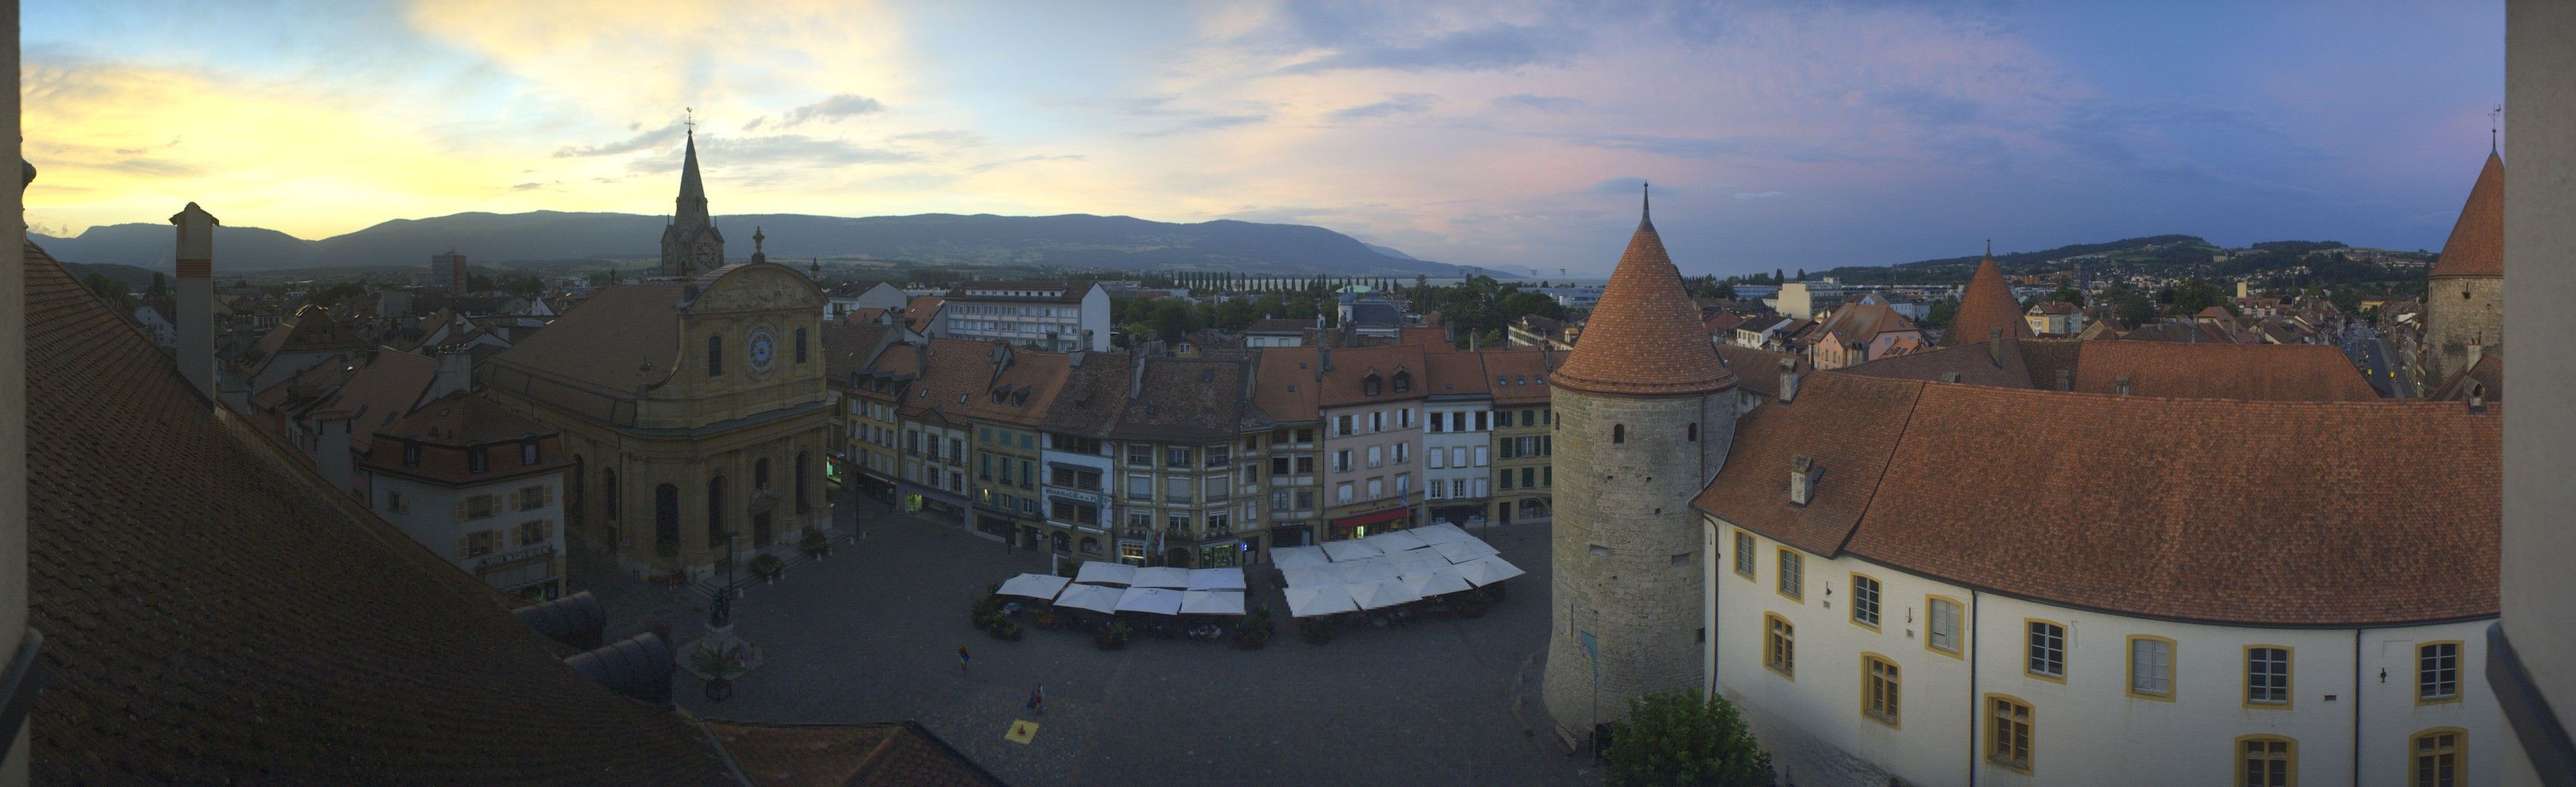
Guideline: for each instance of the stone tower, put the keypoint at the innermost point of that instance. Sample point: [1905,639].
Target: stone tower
[1644,414]
[2464,295]
[691,245]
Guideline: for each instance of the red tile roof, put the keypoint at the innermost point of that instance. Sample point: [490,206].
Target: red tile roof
[1987,305]
[1346,372]
[2124,507]
[1286,387]
[1759,370]
[1644,337]
[2476,247]
[1527,373]
[2258,372]
[1458,373]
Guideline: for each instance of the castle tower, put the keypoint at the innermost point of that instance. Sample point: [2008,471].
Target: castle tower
[691,245]
[2464,294]
[1985,307]
[1644,415]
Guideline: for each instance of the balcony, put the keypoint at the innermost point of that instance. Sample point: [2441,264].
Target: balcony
[1177,497]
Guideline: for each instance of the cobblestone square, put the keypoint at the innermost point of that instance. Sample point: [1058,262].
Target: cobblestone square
[871,634]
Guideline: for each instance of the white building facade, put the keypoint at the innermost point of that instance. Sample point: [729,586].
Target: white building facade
[1457,453]
[1057,316]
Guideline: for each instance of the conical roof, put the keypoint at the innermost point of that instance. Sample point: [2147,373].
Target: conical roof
[693,190]
[2476,247]
[1644,337]
[1987,305]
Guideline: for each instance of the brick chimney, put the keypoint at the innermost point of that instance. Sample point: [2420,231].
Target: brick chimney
[1788,380]
[1802,480]
[196,298]
[455,373]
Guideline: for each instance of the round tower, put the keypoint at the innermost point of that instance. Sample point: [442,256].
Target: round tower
[1644,414]
[2464,293]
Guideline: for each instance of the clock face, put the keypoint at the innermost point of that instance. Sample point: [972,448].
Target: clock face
[763,348]
[705,257]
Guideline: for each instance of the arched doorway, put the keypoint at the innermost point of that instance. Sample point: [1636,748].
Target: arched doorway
[715,512]
[666,520]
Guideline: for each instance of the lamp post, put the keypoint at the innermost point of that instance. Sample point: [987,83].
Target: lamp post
[720,613]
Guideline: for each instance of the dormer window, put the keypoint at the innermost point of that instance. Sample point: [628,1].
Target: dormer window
[411,455]
[528,453]
[1403,382]
[1369,386]
[476,460]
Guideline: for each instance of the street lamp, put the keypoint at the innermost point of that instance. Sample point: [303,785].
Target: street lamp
[720,613]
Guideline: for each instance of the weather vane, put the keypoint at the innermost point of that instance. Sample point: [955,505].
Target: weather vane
[2495,118]
[689,118]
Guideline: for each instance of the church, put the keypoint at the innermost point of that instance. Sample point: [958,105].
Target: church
[692,403]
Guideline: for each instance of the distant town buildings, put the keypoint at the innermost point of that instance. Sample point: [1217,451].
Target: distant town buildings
[447,272]
[1056,316]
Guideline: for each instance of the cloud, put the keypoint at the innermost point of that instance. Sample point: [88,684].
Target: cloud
[755,123]
[1755,196]
[644,141]
[1208,123]
[721,154]
[527,187]
[1398,104]
[1494,48]
[1537,102]
[830,109]
[952,138]
[1753,147]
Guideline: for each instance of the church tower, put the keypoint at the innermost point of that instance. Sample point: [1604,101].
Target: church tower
[2464,294]
[1645,412]
[691,245]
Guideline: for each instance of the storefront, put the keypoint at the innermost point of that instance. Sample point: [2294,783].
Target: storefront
[1292,534]
[932,505]
[1131,551]
[997,523]
[1222,554]
[1359,526]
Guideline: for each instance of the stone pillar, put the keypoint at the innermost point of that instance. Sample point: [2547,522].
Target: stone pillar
[195,294]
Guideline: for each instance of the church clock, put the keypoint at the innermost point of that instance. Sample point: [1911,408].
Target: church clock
[764,348]
[705,258]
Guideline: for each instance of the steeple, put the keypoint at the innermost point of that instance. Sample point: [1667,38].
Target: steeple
[1987,306]
[693,190]
[690,244]
[1644,337]
[2476,246]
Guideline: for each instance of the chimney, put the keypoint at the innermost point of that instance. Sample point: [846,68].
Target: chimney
[2476,351]
[455,373]
[1324,358]
[2124,385]
[1995,345]
[196,297]
[1802,480]
[2065,379]
[1788,380]
[2477,398]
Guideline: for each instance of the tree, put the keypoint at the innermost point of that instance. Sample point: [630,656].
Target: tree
[479,283]
[1676,737]
[1779,277]
[1171,319]
[160,288]
[2193,295]
[2067,295]
[1941,313]
[109,290]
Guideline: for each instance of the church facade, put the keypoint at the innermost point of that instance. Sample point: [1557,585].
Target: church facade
[692,406]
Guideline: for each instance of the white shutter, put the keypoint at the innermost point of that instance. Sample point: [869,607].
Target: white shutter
[1481,457]
[1434,457]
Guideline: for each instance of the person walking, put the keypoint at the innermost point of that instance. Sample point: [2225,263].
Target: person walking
[1037,700]
[962,659]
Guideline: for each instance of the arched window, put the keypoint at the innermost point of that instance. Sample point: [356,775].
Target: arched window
[1691,434]
[804,467]
[715,512]
[715,355]
[800,345]
[666,519]
[608,493]
[1618,434]
[760,474]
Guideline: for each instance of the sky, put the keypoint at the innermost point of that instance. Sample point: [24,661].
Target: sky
[1505,134]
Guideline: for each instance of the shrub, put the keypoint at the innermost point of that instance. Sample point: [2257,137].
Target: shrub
[768,566]
[1315,632]
[815,542]
[1679,737]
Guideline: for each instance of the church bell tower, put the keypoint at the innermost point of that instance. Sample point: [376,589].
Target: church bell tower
[690,244]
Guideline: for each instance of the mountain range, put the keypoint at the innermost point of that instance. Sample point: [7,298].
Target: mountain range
[555,239]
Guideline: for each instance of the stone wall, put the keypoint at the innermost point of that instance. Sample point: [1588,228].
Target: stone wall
[1627,545]
[2453,323]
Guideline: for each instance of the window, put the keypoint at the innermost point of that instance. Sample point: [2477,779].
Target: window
[1878,695]
[1691,434]
[1342,461]
[800,345]
[1780,646]
[608,492]
[479,506]
[1864,603]
[1403,452]
[1342,425]
[2437,672]
[2047,650]
[532,533]
[1305,465]
[2437,757]
[1369,385]
[2267,676]
[1436,459]
[394,502]
[1376,456]
[2151,668]
[535,497]
[1744,554]
[1176,457]
[1377,420]
[1376,488]
[411,455]
[477,460]
[1793,581]
[1403,382]
[528,453]
[2008,732]
[1506,478]
[1618,434]
[482,543]
[1343,491]
[715,355]
[2266,761]
[1219,456]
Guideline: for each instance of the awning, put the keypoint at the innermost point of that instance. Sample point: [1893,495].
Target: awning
[1212,602]
[1307,602]
[1034,585]
[1341,551]
[1373,517]
[1158,601]
[1216,579]
[1394,541]
[1161,577]
[1380,595]
[1306,577]
[1434,583]
[1097,598]
[1094,571]
[1464,551]
[1487,570]
[1298,557]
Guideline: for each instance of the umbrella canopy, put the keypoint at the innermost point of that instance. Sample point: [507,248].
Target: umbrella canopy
[1097,598]
[1366,571]
[1034,585]
[1442,533]
[1487,570]
[1350,550]
[1161,577]
[1463,551]
[1380,595]
[1394,541]
[1307,602]
[1216,579]
[1298,557]
[1097,572]
[1310,577]
[1434,583]
[1420,564]
[1159,601]
[1212,602]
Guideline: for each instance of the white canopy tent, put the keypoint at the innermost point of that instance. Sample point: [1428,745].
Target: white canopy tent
[1212,602]
[1394,541]
[1307,602]
[1380,595]
[1159,601]
[1310,577]
[1034,585]
[1096,572]
[1463,551]
[1487,570]
[1366,571]
[1438,534]
[1216,579]
[1298,557]
[1161,577]
[1097,598]
[1434,583]
[1342,551]
[1419,564]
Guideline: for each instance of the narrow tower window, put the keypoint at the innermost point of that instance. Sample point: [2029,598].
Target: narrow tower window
[1618,434]
[715,356]
[1692,434]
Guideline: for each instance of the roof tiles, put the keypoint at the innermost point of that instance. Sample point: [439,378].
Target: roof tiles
[2476,247]
[1644,337]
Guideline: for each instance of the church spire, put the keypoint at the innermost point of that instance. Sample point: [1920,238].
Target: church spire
[693,190]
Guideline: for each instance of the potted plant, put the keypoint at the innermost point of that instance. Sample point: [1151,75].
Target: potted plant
[721,665]
[1255,631]
[1471,603]
[768,566]
[987,611]
[1006,629]
[815,543]
[1315,632]
[1113,636]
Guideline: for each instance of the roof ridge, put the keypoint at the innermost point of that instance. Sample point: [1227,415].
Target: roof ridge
[1861,517]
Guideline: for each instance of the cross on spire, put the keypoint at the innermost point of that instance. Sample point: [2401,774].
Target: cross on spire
[1990,247]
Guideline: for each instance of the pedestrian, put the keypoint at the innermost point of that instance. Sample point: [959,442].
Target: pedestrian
[962,659]
[1037,700]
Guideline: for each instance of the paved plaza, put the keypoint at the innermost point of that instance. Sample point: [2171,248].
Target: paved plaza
[871,634]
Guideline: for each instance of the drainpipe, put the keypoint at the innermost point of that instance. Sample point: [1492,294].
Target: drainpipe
[2356,708]
[1976,702]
